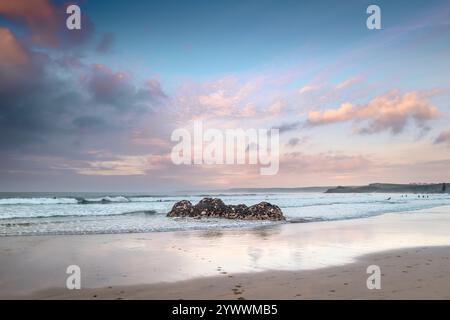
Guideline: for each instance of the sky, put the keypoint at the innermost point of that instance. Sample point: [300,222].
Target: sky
[94,109]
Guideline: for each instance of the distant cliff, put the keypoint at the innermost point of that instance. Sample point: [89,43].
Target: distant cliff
[395,188]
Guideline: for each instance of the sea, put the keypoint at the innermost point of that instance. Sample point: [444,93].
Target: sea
[100,213]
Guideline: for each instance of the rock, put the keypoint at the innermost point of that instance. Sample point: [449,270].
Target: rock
[239,211]
[215,208]
[266,211]
[209,207]
[182,208]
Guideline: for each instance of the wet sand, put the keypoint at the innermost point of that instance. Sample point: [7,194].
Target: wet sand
[416,273]
[320,260]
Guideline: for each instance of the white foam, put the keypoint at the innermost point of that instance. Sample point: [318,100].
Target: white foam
[10,201]
[109,199]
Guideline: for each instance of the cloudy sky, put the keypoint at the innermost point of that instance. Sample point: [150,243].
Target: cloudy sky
[94,109]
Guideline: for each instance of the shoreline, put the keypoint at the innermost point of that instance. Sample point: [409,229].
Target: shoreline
[34,266]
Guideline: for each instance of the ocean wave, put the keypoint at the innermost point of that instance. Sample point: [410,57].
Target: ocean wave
[12,201]
[78,200]
[331,203]
[88,215]
[106,199]
[305,220]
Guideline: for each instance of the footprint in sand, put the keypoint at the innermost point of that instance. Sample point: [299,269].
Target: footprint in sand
[238,289]
[220,269]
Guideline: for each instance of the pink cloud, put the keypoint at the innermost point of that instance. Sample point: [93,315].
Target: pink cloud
[39,15]
[324,162]
[45,21]
[348,82]
[219,101]
[391,111]
[276,108]
[309,88]
[248,111]
[107,164]
[444,137]
[12,52]
[225,97]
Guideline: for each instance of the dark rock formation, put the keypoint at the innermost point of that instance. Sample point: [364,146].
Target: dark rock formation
[427,188]
[266,211]
[209,207]
[182,208]
[239,211]
[215,208]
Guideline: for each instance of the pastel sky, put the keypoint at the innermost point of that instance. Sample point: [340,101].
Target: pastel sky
[94,109]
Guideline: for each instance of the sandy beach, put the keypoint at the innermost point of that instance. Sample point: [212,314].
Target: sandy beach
[415,273]
[319,260]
